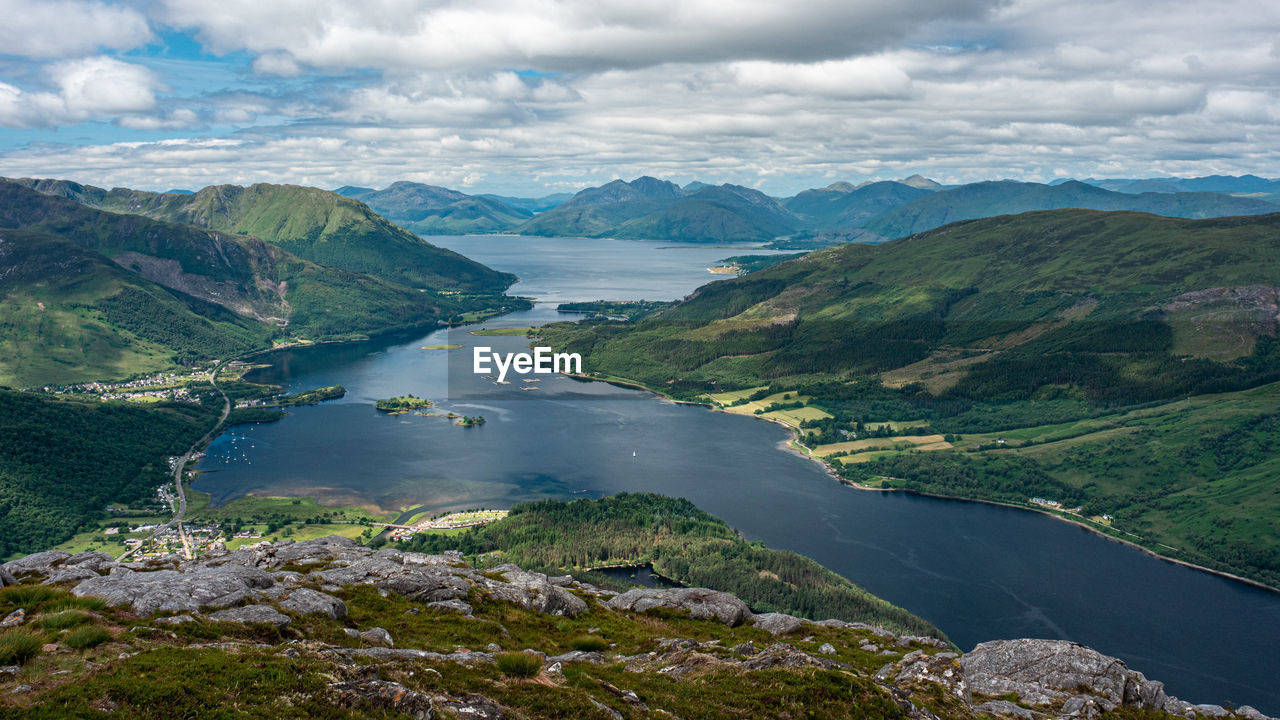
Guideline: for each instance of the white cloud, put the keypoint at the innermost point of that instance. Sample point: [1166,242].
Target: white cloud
[59,28]
[854,78]
[562,35]
[104,85]
[748,92]
[86,88]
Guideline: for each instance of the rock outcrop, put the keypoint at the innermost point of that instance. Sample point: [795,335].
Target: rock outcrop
[287,585]
[699,603]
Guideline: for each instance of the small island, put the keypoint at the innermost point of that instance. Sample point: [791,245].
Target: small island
[312,397]
[442,346]
[402,404]
[469,421]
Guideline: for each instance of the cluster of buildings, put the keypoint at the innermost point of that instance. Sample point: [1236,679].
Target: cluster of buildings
[163,385]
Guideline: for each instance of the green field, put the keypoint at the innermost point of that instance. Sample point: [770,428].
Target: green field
[501,331]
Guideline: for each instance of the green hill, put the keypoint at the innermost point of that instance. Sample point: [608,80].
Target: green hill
[63,460]
[95,295]
[842,206]
[432,210]
[989,328]
[989,199]
[316,225]
[648,208]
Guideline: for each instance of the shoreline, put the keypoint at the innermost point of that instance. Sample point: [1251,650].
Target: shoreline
[790,446]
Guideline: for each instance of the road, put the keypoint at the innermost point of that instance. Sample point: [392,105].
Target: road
[181,465]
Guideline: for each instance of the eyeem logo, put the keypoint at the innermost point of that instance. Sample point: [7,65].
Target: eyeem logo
[542,361]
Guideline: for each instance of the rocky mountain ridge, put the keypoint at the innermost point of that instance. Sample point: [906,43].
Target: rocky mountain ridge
[309,603]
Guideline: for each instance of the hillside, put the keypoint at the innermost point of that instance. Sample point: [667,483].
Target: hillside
[316,225]
[843,207]
[433,210]
[62,460]
[648,208]
[327,628]
[982,332]
[682,543]
[989,199]
[94,295]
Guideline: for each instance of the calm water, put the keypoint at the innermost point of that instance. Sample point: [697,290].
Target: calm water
[979,572]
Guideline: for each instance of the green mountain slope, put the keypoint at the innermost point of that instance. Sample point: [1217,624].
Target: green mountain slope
[432,210]
[648,208]
[989,328]
[93,295]
[68,314]
[988,199]
[313,224]
[727,213]
[63,460]
[842,207]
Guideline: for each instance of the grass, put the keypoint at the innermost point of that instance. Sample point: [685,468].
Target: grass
[518,664]
[588,643]
[501,331]
[19,645]
[62,620]
[25,596]
[906,442]
[89,636]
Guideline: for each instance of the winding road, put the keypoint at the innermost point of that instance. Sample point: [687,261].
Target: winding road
[181,510]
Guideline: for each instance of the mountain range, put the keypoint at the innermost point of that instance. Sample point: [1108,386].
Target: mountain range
[649,208]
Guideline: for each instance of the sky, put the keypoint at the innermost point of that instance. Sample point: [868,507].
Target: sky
[529,98]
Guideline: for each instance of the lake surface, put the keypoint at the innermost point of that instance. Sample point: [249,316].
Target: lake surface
[979,572]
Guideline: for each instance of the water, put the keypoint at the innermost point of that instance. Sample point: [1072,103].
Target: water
[979,572]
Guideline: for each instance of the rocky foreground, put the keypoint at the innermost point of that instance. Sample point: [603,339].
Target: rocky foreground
[301,616]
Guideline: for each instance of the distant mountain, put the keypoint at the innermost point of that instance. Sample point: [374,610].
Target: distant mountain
[989,199]
[728,213]
[598,211]
[1229,184]
[533,205]
[656,209]
[90,294]
[314,224]
[353,191]
[844,207]
[434,210]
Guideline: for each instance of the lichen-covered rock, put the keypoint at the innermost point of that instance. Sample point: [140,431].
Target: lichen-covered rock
[700,603]
[41,562]
[1004,708]
[778,623]
[382,694]
[942,669]
[14,619]
[252,614]
[377,636]
[305,601]
[6,577]
[457,606]
[170,590]
[1046,672]
[534,591]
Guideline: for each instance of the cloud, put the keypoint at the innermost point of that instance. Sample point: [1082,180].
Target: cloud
[86,88]
[59,28]
[557,35]
[563,93]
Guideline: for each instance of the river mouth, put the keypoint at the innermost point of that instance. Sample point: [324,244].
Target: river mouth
[979,572]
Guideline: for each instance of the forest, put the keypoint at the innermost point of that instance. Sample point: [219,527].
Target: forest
[682,543]
[62,461]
